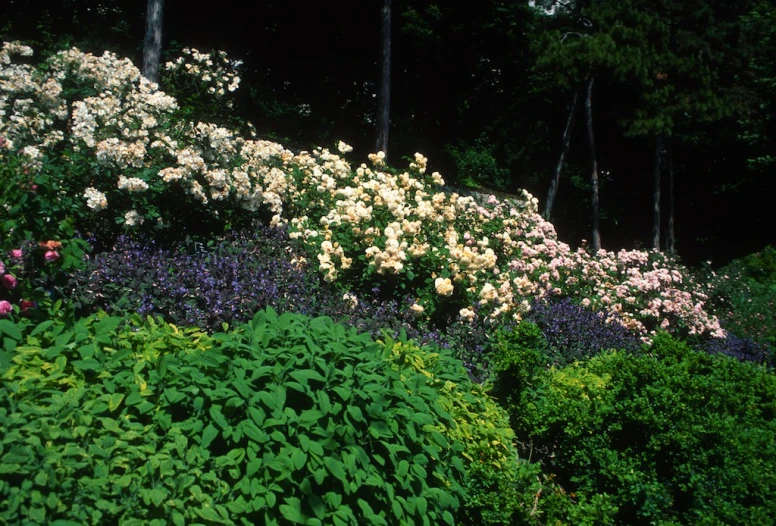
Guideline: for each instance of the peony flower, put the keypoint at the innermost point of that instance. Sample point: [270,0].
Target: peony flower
[51,255]
[9,282]
[5,308]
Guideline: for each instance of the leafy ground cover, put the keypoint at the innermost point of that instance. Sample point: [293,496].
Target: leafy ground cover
[121,201]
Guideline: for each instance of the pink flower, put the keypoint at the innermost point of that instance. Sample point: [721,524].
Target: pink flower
[2,268]
[51,255]
[9,282]
[16,253]
[27,305]
[5,308]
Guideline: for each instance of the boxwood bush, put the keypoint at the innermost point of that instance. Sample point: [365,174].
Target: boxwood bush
[286,420]
[670,436]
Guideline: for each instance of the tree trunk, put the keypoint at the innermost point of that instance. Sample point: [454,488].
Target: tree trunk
[594,162]
[670,239]
[553,191]
[384,103]
[152,46]
[656,193]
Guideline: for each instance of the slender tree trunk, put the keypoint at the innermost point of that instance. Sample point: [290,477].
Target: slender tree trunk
[384,103]
[594,162]
[152,46]
[670,239]
[553,191]
[656,193]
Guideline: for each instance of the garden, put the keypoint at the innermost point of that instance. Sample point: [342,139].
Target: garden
[199,326]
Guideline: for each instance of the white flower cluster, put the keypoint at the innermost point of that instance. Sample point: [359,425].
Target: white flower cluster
[95,199]
[132,184]
[213,70]
[133,218]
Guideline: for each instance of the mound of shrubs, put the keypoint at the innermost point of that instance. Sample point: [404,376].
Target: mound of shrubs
[285,420]
[672,435]
[744,293]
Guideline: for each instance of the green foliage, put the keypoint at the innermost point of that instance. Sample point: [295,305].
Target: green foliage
[476,166]
[744,293]
[518,356]
[676,436]
[288,420]
[495,478]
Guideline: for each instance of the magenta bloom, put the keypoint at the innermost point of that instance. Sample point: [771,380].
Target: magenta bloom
[9,282]
[27,305]
[2,268]
[51,255]
[5,308]
[16,253]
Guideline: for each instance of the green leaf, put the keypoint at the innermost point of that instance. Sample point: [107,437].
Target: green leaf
[336,468]
[90,364]
[355,412]
[208,435]
[292,510]
[299,458]
[421,505]
[10,328]
[218,416]
[317,505]
[41,327]
[114,401]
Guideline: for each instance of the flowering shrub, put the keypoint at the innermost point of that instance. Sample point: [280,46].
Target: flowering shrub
[453,253]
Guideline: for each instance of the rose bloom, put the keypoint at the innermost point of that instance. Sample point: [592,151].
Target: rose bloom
[16,253]
[50,245]
[51,255]
[27,305]
[443,286]
[5,308]
[9,282]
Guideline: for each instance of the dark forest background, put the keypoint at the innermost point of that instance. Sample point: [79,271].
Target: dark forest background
[484,90]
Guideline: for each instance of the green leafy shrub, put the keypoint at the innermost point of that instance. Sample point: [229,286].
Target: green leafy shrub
[744,293]
[288,420]
[675,436]
[477,166]
[495,477]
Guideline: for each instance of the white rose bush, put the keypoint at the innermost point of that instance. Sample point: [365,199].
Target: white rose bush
[126,157]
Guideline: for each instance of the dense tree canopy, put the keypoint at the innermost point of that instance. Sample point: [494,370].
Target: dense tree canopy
[484,91]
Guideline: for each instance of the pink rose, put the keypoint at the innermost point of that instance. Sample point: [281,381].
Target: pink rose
[2,268]
[27,305]
[51,255]
[5,308]
[9,282]
[16,253]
